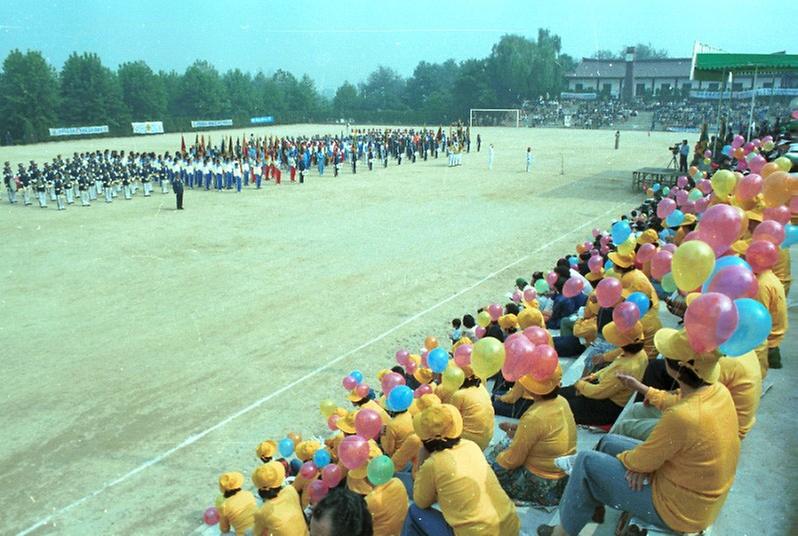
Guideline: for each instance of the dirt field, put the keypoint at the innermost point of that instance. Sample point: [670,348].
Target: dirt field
[147,350]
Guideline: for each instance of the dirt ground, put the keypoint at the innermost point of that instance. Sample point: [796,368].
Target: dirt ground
[147,350]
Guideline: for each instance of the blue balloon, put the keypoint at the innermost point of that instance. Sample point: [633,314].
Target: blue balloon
[752,330]
[665,234]
[321,458]
[400,397]
[357,375]
[641,300]
[620,231]
[286,447]
[720,264]
[675,218]
[656,187]
[296,465]
[790,235]
[573,261]
[727,149]
[608,265]
[438,359]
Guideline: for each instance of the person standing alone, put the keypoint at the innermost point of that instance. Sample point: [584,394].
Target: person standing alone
[177,188]
[617,138]
[684,151]
[529,159]
[490,156]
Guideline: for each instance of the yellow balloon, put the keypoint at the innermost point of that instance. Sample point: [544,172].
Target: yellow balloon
[611,273]
[628,246]
[327,407]
[692,264]
[784,163]
[483,319]
[776,189]
[690,297]
[723,182]
[487,357]
[453,377]
[768,145]
[707,161]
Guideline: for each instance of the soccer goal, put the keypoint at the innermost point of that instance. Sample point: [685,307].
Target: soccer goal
[494,117]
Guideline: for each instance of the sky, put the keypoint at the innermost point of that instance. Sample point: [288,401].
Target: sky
[337,40]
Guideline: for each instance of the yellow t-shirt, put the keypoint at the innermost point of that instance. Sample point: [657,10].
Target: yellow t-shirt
[651,324]
[692,456]
[636,281]
[379,409]
[396,432]
[771,294]
[281,516]
[238,511]
[609,386]
[547,430]
[407,453]
[476,408]
[388,505]
[782,268]
[743,378]
[469,495]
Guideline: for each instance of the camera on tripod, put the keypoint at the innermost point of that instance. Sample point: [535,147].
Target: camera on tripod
[674,149]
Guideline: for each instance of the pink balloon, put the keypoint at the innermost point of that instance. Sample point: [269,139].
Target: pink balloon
[495,311]
[757,163]
[391,380]
[625,315]
[661,263]
[681,182]
[670,248]
[749,187]
[462,355]
[705,186]
[349,383]
[332,422]
[544,362]
[411,367]
[596,232]
[720,227]
[735,282]
[675,190]
[362,390]
[769,230]
[707,154]
[701,205]
[516,296]
[537,335]
[421,390]
[756,142]
[645,253]
[318,490]
[595,263]
[608,292]
[604,250]
[689,207]
[572,287]
[368,423]
[332,475]
[665,207]
[742,165]
[710,320]
[530,294]
[211,516]
[681,197]
[479,332]
[779,214]
[551,278]
[401,356]
[353,451]
[767,138]
[308,470]
[604,240]
[518,359]
[762,255]
[424,355]
[737,141]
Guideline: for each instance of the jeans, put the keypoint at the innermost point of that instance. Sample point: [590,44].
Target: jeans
[591,411]
[638,422]
[599,478]
[425,522]
[568,346]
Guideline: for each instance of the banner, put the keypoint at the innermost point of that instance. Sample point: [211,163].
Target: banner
[79,131]
[578,96]
[746,94]
[265,120]
[216,123]
[148,127]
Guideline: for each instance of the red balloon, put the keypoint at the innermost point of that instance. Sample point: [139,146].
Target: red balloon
[720,227]
[391,380]
[625,315]
[211,516]
[551,278]
[645,253]
[332,421]
[735,282]
[710,320]
[349,383]
[762,255]
[401,356]
[318,489]
[353,451]
[573,287]
[308,470]
[495,311]
[769,230]
[479,331]
[536,335]
[608,292]
[661,263]
[421,390]
[518,360]
[544,362]
[362,390]
[332,475]
[749,187]
[780,214]
[368,423]
[462,355]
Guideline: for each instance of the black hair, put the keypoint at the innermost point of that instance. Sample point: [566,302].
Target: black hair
[536,276]
[435,445]
[684,374]
[563,271]
[468,321]
[231,492]
[473,381]
[551,394]
[563,262]
[347,512]
[455,323]
[398,370]
[269,493]
[511,309]
[559,284]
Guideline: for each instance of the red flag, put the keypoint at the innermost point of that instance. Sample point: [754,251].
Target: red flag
[182,144]
[202,143]
[196,142]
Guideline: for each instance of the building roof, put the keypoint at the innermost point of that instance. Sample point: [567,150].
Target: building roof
[716,66]
[663,68]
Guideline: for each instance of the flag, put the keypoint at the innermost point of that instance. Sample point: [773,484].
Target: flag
[230,150]
[202,144]
[196,142]
[182,144]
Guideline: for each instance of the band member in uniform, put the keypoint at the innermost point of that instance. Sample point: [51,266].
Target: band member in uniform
[10,182]
[27,187]
[58,188]
[83,188]
[41,191]
[177,188]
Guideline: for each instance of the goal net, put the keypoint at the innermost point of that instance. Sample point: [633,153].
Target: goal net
[494,117]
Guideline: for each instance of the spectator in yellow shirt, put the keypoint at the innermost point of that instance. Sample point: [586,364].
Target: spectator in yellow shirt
[455,474]
[678,479]
[473,402]
[341,512]
[396,432]
[238,509]
[281,513]
[525,465]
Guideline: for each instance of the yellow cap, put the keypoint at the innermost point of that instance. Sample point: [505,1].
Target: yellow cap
[754,215]
[306,449]
[266,449]
[673,344]
[508,321]
[649,236]
[347,424]
[740,247]
[269,475]
[441,421]
[597,276]
[231,481]
[362,471]
[689,219]
[460,342]
[530,316]
[382,373]
[427,401]
[423,375]
[619,259]
[354,397]
[543,387]
[620,338]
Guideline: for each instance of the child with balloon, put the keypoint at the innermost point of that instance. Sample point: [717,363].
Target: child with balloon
[473,402]
[238,508]
[281,513]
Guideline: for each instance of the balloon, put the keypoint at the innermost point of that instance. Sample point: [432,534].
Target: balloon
[704,185]
[783,163]
[681,182]
[642,302]
[317,491]
[295,466]
[327,407]
[753,328]
[495,311]
[756,163]
[681,197]
[608,292]
[211,516]
[791,234]
[551,278]
[530,294]
[411,368]
[487,357]
[541,287]
[762,255]
[544,362]
[462,355]
[667,283]
[594,264]
[332,422]
[692,263]
[737,141]
[779,214]
[308,470]
[675,218]
[749,187]
[391,380]
[518,350]
[353,451]
[479,332]
[709,321]
[421,390]
[625,315]
[620,231]
[380,470]
[438,359]
[363,390]
[650,192]
[285,447]
[694,195]
[723,182]
[430,343]
[628,247]
[349,383]
[516,297]
[769,230]
[776,189]
[656,187]
[768,169]
[483,319]
[596,232]
[401,356]
[734,282]
[719,227]
[452,378]
[748,147]
[536,335]
[368,423]
[322,458]
[666,191]
[573,287]
[400,398]
[424,355]
[332,475]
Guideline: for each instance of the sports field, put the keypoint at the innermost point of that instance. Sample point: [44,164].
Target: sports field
[147,350]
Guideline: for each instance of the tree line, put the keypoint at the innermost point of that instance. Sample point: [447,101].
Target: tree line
[35,97]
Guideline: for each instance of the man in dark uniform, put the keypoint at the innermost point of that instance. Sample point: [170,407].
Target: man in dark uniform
[83,188]
[58,188]
[354,160]
[177,188]
[11,183]
[24,179]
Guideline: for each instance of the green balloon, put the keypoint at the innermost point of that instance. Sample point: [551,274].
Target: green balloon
[668,284]
[541,286]
[380,470]
[695,194]
[666,191]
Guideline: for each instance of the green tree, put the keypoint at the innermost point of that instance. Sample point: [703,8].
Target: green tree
[644,51]
[269,96]
[240,92]
[171,82]
[605,54]
[90,93]
[142,91]
[511,65]
[28,97]
[306,99]
[383,90]
[472,88]
[202,92]
[346,100]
